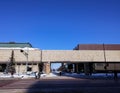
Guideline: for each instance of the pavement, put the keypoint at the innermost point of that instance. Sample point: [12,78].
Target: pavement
[59,84]
[67,83]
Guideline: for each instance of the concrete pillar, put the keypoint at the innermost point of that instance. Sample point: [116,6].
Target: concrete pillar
[86,68]
[17,68]
[62,66]
[47,68]
[23,68]
[20,69]
[76,68]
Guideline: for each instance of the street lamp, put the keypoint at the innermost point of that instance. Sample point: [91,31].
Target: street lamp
[26,55]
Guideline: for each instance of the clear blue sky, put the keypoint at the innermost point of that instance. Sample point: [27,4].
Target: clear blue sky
[60,24]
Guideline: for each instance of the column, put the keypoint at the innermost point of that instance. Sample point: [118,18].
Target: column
[76,68]
[17,68]
[86,68]
[47,67]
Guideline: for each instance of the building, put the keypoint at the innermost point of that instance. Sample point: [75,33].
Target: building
[26,58]
[109,60]
[87,58]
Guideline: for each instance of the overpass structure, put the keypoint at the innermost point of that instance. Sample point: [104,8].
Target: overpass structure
[90,57]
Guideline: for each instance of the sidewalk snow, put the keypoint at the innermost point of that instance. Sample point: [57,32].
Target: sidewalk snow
[48,75]
[22,76]
[63,75]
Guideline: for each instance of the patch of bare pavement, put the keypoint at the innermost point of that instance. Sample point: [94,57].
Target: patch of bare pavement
[59,85]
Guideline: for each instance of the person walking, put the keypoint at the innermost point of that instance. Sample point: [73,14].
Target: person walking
[39,75]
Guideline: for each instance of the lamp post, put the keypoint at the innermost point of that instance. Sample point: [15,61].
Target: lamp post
[26,55]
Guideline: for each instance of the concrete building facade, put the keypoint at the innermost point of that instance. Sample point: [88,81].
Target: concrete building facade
[99,57]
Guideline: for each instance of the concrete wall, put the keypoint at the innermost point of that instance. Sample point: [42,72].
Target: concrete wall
[81,55]
[113,56]
[5,55]
[61,55]
[33,55]
[72,55]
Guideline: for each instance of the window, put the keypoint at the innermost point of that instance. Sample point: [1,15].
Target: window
[29,68]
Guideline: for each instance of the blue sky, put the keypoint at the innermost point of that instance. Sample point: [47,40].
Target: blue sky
[60,24]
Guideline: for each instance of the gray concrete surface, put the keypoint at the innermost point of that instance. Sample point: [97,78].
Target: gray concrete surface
[59,85]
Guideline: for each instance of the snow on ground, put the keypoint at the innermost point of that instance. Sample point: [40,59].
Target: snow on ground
[57,74]
[48,75]
[16,76]
[24,76]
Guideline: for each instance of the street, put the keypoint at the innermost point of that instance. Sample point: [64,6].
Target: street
[59,86]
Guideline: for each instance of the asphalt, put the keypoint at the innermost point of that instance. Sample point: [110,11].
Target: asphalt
[59,84]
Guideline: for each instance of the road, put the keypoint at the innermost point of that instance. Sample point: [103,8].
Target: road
[59,86]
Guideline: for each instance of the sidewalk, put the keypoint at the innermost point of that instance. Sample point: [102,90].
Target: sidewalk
[57,76]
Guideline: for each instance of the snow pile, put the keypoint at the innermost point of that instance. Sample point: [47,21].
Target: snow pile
[51,75]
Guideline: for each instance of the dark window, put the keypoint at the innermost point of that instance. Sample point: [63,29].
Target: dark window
[29,68]
[29,63]
[34,63]
[18,64]
[23,63]
[2,67]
